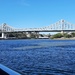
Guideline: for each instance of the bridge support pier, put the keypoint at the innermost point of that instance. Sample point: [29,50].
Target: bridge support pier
[37,35]
[33,35]
[29,34]
[62,32]
[3,35]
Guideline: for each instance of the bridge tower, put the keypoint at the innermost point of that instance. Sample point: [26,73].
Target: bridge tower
[3,31]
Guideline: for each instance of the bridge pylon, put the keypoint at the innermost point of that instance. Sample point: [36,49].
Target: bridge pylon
[3,35]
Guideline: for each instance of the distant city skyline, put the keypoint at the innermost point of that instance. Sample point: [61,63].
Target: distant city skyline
[36,13]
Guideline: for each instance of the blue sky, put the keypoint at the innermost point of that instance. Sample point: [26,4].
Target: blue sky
[36,13]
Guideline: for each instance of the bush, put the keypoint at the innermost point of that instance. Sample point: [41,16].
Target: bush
[73,34]
[67,35]
[58,35]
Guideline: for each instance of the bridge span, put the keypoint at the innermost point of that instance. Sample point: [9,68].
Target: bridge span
[60,26]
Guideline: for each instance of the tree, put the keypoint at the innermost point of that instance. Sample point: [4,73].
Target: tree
[58,35]
[73,34]
[67,35]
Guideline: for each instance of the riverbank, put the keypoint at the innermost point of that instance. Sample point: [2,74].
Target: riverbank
[63,38]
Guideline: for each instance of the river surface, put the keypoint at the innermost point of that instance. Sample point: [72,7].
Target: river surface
[39,56]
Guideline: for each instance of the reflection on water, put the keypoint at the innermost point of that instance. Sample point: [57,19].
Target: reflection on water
[39,57]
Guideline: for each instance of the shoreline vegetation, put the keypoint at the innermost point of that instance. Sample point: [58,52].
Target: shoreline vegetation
[57,36]
[64,36]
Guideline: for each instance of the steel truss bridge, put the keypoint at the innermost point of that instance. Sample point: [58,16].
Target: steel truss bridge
[60,26]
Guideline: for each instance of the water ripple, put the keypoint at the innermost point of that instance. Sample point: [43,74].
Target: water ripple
[39,57]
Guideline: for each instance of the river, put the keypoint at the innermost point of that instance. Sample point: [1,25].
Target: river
[39,56]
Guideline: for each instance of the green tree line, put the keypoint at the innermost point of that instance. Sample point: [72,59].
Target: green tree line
[65,35]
